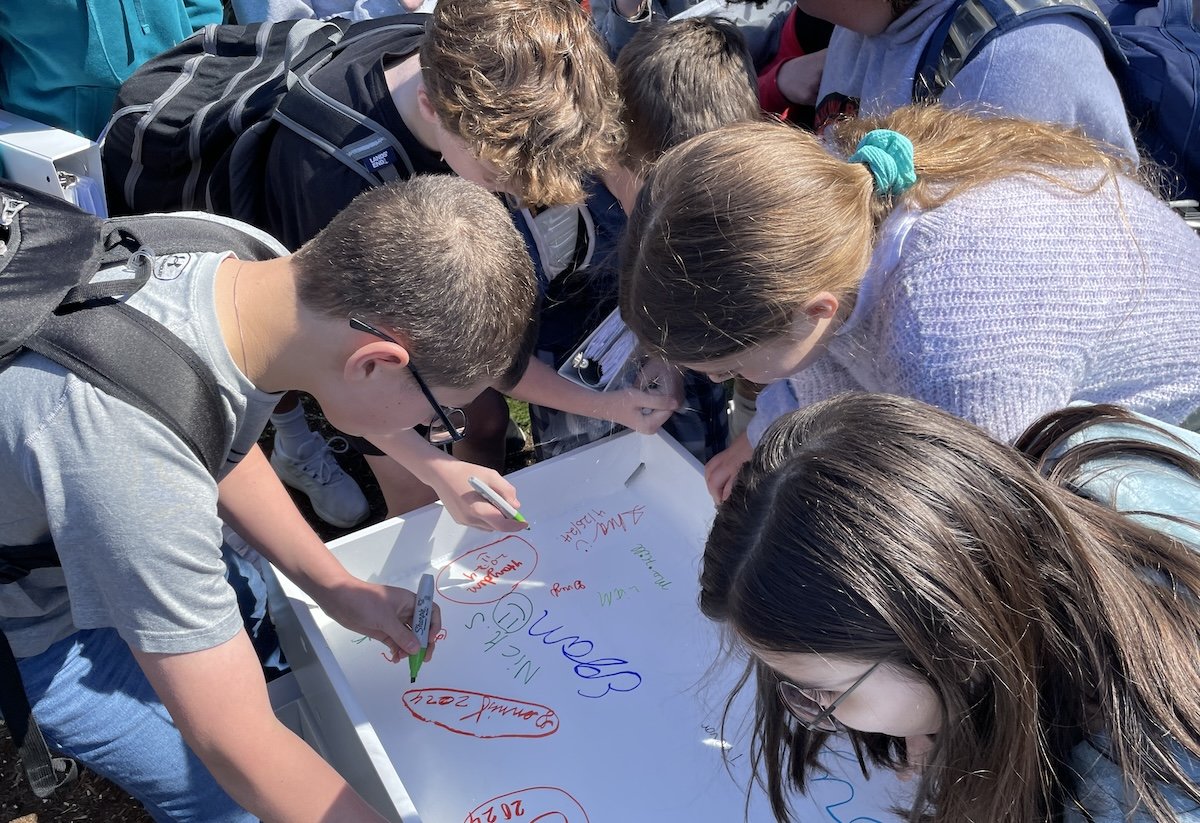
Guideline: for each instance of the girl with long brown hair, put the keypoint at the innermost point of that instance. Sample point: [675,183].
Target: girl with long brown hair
[983,616]
[994,267]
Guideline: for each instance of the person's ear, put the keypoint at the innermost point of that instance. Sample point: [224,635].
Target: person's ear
[374,358]
[823,306]
[425,107]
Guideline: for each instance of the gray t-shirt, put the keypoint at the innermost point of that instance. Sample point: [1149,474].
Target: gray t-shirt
[131,510]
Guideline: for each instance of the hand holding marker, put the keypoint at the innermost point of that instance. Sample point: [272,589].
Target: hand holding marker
[422,615]
[489,494]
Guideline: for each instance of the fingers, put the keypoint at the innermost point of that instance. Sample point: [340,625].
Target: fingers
[648,410]
[487,517]
[400,642]
[480,514]
[717,480]
[435,628]
[721,472]
[503,488]
[654,400]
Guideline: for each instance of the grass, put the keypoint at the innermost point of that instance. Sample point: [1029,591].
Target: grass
[520,414]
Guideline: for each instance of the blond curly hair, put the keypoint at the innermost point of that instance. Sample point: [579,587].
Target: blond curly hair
[528,85]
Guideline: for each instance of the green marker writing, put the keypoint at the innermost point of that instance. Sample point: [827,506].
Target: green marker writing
[421,618]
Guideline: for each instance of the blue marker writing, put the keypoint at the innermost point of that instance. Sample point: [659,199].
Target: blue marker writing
[421,618]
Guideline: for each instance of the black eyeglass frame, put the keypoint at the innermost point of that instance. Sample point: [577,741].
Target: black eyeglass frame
[826,714]
[455,433]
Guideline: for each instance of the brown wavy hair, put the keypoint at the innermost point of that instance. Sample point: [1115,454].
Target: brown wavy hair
[530,88]
[878,528]
[736,229]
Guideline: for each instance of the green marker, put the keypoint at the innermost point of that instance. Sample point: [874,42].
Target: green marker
[490,495]
[421,618]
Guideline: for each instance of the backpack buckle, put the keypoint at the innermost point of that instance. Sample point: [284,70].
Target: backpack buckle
[10,207]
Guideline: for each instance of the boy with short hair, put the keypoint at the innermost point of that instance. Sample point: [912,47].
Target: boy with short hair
[677,80]
[135,646]
[681,79]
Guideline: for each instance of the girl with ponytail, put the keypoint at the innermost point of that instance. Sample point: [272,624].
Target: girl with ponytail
[993,267]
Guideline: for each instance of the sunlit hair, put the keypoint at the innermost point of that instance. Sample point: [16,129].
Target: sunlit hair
[738,228]
[436,260]
[877,528]
[530,88]
[680,79]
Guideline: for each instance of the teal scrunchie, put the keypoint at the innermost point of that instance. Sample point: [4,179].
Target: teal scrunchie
[888,155]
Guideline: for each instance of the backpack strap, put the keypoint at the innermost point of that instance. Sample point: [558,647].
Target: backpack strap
[969,25]
[356,140]
[168,380]
[45,772]
[91,333]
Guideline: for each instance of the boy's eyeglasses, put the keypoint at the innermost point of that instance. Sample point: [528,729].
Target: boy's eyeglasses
[451,423]
[808,711]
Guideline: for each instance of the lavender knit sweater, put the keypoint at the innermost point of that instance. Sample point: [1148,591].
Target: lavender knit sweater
[1015,299]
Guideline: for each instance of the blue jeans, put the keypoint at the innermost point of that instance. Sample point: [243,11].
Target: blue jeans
[93,703]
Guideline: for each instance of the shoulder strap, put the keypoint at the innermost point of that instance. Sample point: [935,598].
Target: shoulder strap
[44,772]
[969,25]
[91,334]
[167,379]
[353,138]
[50,304]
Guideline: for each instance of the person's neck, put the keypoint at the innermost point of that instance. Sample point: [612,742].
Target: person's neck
[405,83]
[845,308]
[276,342]
[624,185]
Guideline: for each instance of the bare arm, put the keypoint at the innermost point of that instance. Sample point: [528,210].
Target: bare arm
[218,700]
[448,476]
[254,502]
[545,387]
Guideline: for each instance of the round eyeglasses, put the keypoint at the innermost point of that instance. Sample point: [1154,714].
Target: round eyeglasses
[808,711]
[450,422]
[450,427]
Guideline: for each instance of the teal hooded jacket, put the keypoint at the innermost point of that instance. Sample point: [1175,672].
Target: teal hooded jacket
[61,61]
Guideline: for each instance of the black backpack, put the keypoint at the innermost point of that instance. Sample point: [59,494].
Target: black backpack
[1156,65]
[50,251]
[192,127]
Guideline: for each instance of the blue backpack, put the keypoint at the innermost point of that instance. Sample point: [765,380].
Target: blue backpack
[1156,64]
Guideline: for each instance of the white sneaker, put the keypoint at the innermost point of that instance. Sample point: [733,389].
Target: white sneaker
[334,495]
